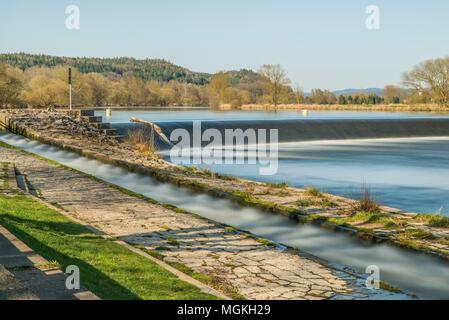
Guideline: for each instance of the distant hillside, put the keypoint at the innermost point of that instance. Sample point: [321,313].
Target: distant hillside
[347,92]
[248,80]
[147,69]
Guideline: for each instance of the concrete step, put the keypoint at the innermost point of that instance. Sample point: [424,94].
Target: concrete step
[101,125]
[89,119]
[87,113]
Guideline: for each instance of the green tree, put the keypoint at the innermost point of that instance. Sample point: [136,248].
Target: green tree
[99,89]
[11,85]
[154,94]
[342,99]
[80,87]
[44,91]
[119,94]
[319,96]
[217,87]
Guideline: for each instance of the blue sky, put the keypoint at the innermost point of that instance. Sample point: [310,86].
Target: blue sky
[321,43]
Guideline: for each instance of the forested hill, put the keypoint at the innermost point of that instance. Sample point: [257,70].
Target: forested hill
[147,69]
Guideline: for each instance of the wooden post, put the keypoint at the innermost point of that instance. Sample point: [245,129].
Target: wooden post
[70,88]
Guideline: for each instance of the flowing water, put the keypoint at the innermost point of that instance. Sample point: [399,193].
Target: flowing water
[402,157]
[411,174]
[426,276]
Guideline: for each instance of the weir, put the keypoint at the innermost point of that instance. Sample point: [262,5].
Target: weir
[313,129]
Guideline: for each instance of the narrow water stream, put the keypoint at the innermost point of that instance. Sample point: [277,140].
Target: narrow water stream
[426,276]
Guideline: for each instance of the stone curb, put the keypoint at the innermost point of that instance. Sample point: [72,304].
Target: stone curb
[37,259]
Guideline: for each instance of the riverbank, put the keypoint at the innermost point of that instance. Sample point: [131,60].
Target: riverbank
[233,262]
[350,107]
[423,233]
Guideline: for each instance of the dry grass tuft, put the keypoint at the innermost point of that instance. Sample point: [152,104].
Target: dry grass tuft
[366,203]
[140,138]
[313,192]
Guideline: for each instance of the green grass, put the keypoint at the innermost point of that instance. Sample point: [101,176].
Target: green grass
[362,217]
[313,192]
[229,229]
[265,242]
[438,221]
[305,203]
[107,269]
[327,203]
[418,234]
[385,286]
[321,202]
[5,175]
[281,185]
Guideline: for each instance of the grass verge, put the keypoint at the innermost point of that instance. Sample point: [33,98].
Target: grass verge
[107,269]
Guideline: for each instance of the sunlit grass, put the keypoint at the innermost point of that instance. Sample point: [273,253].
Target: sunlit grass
[107,269]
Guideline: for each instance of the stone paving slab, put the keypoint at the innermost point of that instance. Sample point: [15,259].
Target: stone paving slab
[253,269]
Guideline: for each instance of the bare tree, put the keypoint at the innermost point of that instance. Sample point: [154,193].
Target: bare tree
[275,80]
[430,76]
[391,94]
[299,93]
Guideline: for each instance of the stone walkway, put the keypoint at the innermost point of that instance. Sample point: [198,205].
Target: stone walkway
[25,275]
[253,269]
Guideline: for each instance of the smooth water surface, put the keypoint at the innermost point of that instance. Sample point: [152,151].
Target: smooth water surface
[411,174]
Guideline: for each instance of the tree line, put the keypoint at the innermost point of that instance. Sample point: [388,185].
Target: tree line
[39,86]
[47,86]
[146,69]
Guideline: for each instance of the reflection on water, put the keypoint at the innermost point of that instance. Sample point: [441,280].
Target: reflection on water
[410,174]
[424,275]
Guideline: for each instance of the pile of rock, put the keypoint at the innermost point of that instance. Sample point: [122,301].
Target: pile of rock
[55,123]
